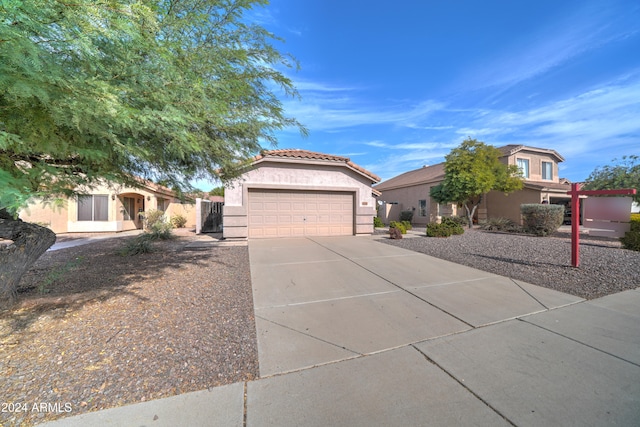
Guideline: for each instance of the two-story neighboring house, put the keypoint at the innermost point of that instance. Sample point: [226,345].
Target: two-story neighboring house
[542,184]
[539,166]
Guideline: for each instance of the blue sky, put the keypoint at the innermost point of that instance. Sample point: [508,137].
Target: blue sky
[397,85]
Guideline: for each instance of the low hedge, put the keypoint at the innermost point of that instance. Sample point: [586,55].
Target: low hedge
[377,222]
[444,229]
[631,239]
[540,219]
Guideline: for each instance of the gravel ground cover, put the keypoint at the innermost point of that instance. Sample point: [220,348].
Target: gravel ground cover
[95,330]
[605,267]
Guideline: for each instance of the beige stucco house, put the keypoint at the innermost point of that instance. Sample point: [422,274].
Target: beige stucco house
[107,207]
[539,166]
[291,193]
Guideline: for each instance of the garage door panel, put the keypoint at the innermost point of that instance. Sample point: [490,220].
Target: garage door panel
[278,213]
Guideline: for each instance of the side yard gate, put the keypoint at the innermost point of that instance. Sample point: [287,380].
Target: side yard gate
[208,216]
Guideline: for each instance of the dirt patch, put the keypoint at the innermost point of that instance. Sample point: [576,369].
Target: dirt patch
[95,330]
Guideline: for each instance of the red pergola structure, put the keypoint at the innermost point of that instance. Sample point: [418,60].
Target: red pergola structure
[575,214]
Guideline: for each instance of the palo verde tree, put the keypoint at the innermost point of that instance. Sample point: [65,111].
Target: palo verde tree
[168,90]
[623,173]
[470,171]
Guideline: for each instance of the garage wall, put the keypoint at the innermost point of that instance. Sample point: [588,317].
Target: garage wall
[315,176]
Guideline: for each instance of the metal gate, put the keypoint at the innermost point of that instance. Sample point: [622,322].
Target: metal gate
[210,216]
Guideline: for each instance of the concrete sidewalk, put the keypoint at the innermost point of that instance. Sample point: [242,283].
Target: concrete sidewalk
[355,332]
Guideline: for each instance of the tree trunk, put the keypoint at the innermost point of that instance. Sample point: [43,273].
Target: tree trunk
[30,241]
[471,212]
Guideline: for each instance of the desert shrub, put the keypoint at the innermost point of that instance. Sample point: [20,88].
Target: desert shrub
[178,221]
[501,224]
[140,244]
[153,217]
[540,219]
[631,239]
[406,216]
[400,226]
[407,225]
[377,222]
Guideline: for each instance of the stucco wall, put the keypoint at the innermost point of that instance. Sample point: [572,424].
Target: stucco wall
[46,214]
[501,206]
[408,199]
[535,164]
[297,176]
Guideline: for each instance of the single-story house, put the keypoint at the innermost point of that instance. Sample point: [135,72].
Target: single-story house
[539,166]
[108,207]
[292,192]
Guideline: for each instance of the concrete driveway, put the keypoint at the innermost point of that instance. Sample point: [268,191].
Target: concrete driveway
[354,332]
[320,300]
[372,334]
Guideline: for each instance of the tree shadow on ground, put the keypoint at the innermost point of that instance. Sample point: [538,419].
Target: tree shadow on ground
[518,261]
[62,282]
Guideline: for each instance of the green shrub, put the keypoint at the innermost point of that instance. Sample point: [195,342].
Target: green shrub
[178,221]
[540,219]
[454,220]
[406,216]
[501,224]
[377,222]
[438,230]
[407,225]
[400,226]
[631,239]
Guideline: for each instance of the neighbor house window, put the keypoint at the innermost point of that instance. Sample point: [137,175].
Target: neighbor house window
[547,170]
[129,208]
[93,208]
[422,205]
[523,165]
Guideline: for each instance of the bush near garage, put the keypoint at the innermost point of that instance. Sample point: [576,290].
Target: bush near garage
[377,222]
[399,225]
[540,219]
[631,239]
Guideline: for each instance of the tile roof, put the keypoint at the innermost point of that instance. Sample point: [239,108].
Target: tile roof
[311,155]
[511,149]
[423,175]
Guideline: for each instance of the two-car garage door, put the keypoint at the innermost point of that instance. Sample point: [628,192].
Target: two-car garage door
[280,213]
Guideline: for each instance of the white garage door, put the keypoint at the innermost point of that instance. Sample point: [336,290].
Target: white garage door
[278,213]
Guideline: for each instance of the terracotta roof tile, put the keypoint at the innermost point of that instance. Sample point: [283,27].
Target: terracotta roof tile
[311,155]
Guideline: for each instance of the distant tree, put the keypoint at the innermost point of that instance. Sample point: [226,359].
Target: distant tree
[472,170]
[623,173]
[90,90]
[218,191]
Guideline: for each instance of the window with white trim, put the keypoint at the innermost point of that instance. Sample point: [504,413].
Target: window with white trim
[547,171]
[523,165]
[93,208]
